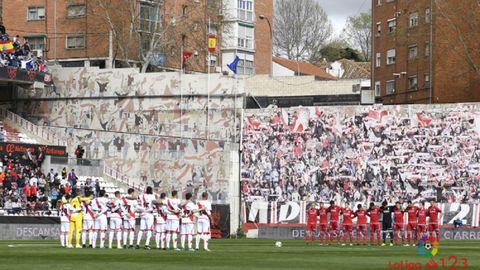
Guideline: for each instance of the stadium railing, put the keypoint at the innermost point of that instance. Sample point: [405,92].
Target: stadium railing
[42,132]
[122,178]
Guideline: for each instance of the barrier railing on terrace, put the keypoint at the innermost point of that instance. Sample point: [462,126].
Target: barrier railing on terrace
[40,131]
[122,178]
[75,161]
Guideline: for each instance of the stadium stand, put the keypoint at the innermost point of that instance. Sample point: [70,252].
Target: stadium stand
[11,134]
[365,155]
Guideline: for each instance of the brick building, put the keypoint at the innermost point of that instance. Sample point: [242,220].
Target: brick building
[77,32]
[420,51]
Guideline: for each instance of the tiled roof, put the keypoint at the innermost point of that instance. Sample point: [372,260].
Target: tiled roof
[304,68]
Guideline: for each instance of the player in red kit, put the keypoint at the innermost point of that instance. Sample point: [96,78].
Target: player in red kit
[412,212]
[323,214]
[334,211]
[421,220]
[347,224]
[432,214]
[374,214]
[312,215]
[361,215]
[398,223]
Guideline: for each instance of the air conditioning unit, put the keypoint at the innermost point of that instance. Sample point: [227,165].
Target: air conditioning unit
[38,53]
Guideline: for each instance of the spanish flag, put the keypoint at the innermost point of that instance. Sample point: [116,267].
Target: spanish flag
[6,46]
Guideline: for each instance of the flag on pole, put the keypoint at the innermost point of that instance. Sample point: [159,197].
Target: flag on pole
[6,46]
[233,66]
[212,43]
[185,56]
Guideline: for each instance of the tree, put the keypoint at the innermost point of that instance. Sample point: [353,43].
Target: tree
[300,29]
[358,32]
[142,30]
[339,50]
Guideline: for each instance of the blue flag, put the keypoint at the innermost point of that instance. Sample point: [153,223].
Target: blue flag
[233,66]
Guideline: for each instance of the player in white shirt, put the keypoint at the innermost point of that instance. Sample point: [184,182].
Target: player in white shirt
[146,204]
[186,229]
[129,207]
[87,227]
[100,208]
[64,213]
[173,220]
[115,220]
[160,221]
[203,221]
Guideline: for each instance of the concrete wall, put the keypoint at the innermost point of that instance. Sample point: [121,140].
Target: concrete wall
[160,129]
[262,85]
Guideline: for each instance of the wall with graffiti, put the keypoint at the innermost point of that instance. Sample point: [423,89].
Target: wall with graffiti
[365,154]
[160,129]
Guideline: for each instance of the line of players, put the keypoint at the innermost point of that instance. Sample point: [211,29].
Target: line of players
[166,217]
[330,224]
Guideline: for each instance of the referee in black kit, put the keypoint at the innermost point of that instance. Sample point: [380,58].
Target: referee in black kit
[386,222]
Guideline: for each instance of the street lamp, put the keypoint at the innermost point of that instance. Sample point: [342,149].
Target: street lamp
[263,17]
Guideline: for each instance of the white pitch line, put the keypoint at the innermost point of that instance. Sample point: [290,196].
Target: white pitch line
[30,245]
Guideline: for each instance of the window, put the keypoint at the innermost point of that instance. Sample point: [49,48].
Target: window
[245,67]
[426,80]
[149,18]
[75,11]
[36,43]
[392,25]
[412,51]
[245,37]
[76,42]
[36,13]
[184,10]
[379,29]
[427,48]
[378,59]
[390,87]
[245,10]
[391,57]
[377,89]
[412,83]
[413,19]
[428,17]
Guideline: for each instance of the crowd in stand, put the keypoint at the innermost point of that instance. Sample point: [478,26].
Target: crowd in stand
[26,190]
[365,156]
[18,54]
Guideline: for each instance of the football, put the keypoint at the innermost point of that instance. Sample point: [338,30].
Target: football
[428,246]
[278,244]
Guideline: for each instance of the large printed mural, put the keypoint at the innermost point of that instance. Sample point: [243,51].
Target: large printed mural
[160,129]
[362,154]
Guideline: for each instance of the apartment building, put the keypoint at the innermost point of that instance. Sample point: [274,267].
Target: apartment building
[424,51]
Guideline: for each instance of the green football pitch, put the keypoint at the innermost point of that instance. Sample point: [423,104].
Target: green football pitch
[234,254]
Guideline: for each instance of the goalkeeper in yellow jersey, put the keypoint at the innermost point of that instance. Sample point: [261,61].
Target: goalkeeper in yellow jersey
[76,217]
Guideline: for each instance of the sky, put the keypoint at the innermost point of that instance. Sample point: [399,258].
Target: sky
[339,10]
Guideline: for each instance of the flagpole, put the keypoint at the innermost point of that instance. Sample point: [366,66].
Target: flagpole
[181,92]
[208,80]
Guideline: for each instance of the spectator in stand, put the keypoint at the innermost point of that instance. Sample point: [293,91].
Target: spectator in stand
[79,151]
[72,178]
[27,192]
[97,188]
[51,176]
[64,173]
[67,189]
[2,29]
[2,134]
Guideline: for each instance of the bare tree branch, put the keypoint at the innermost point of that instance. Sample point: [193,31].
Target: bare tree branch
[301,28]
